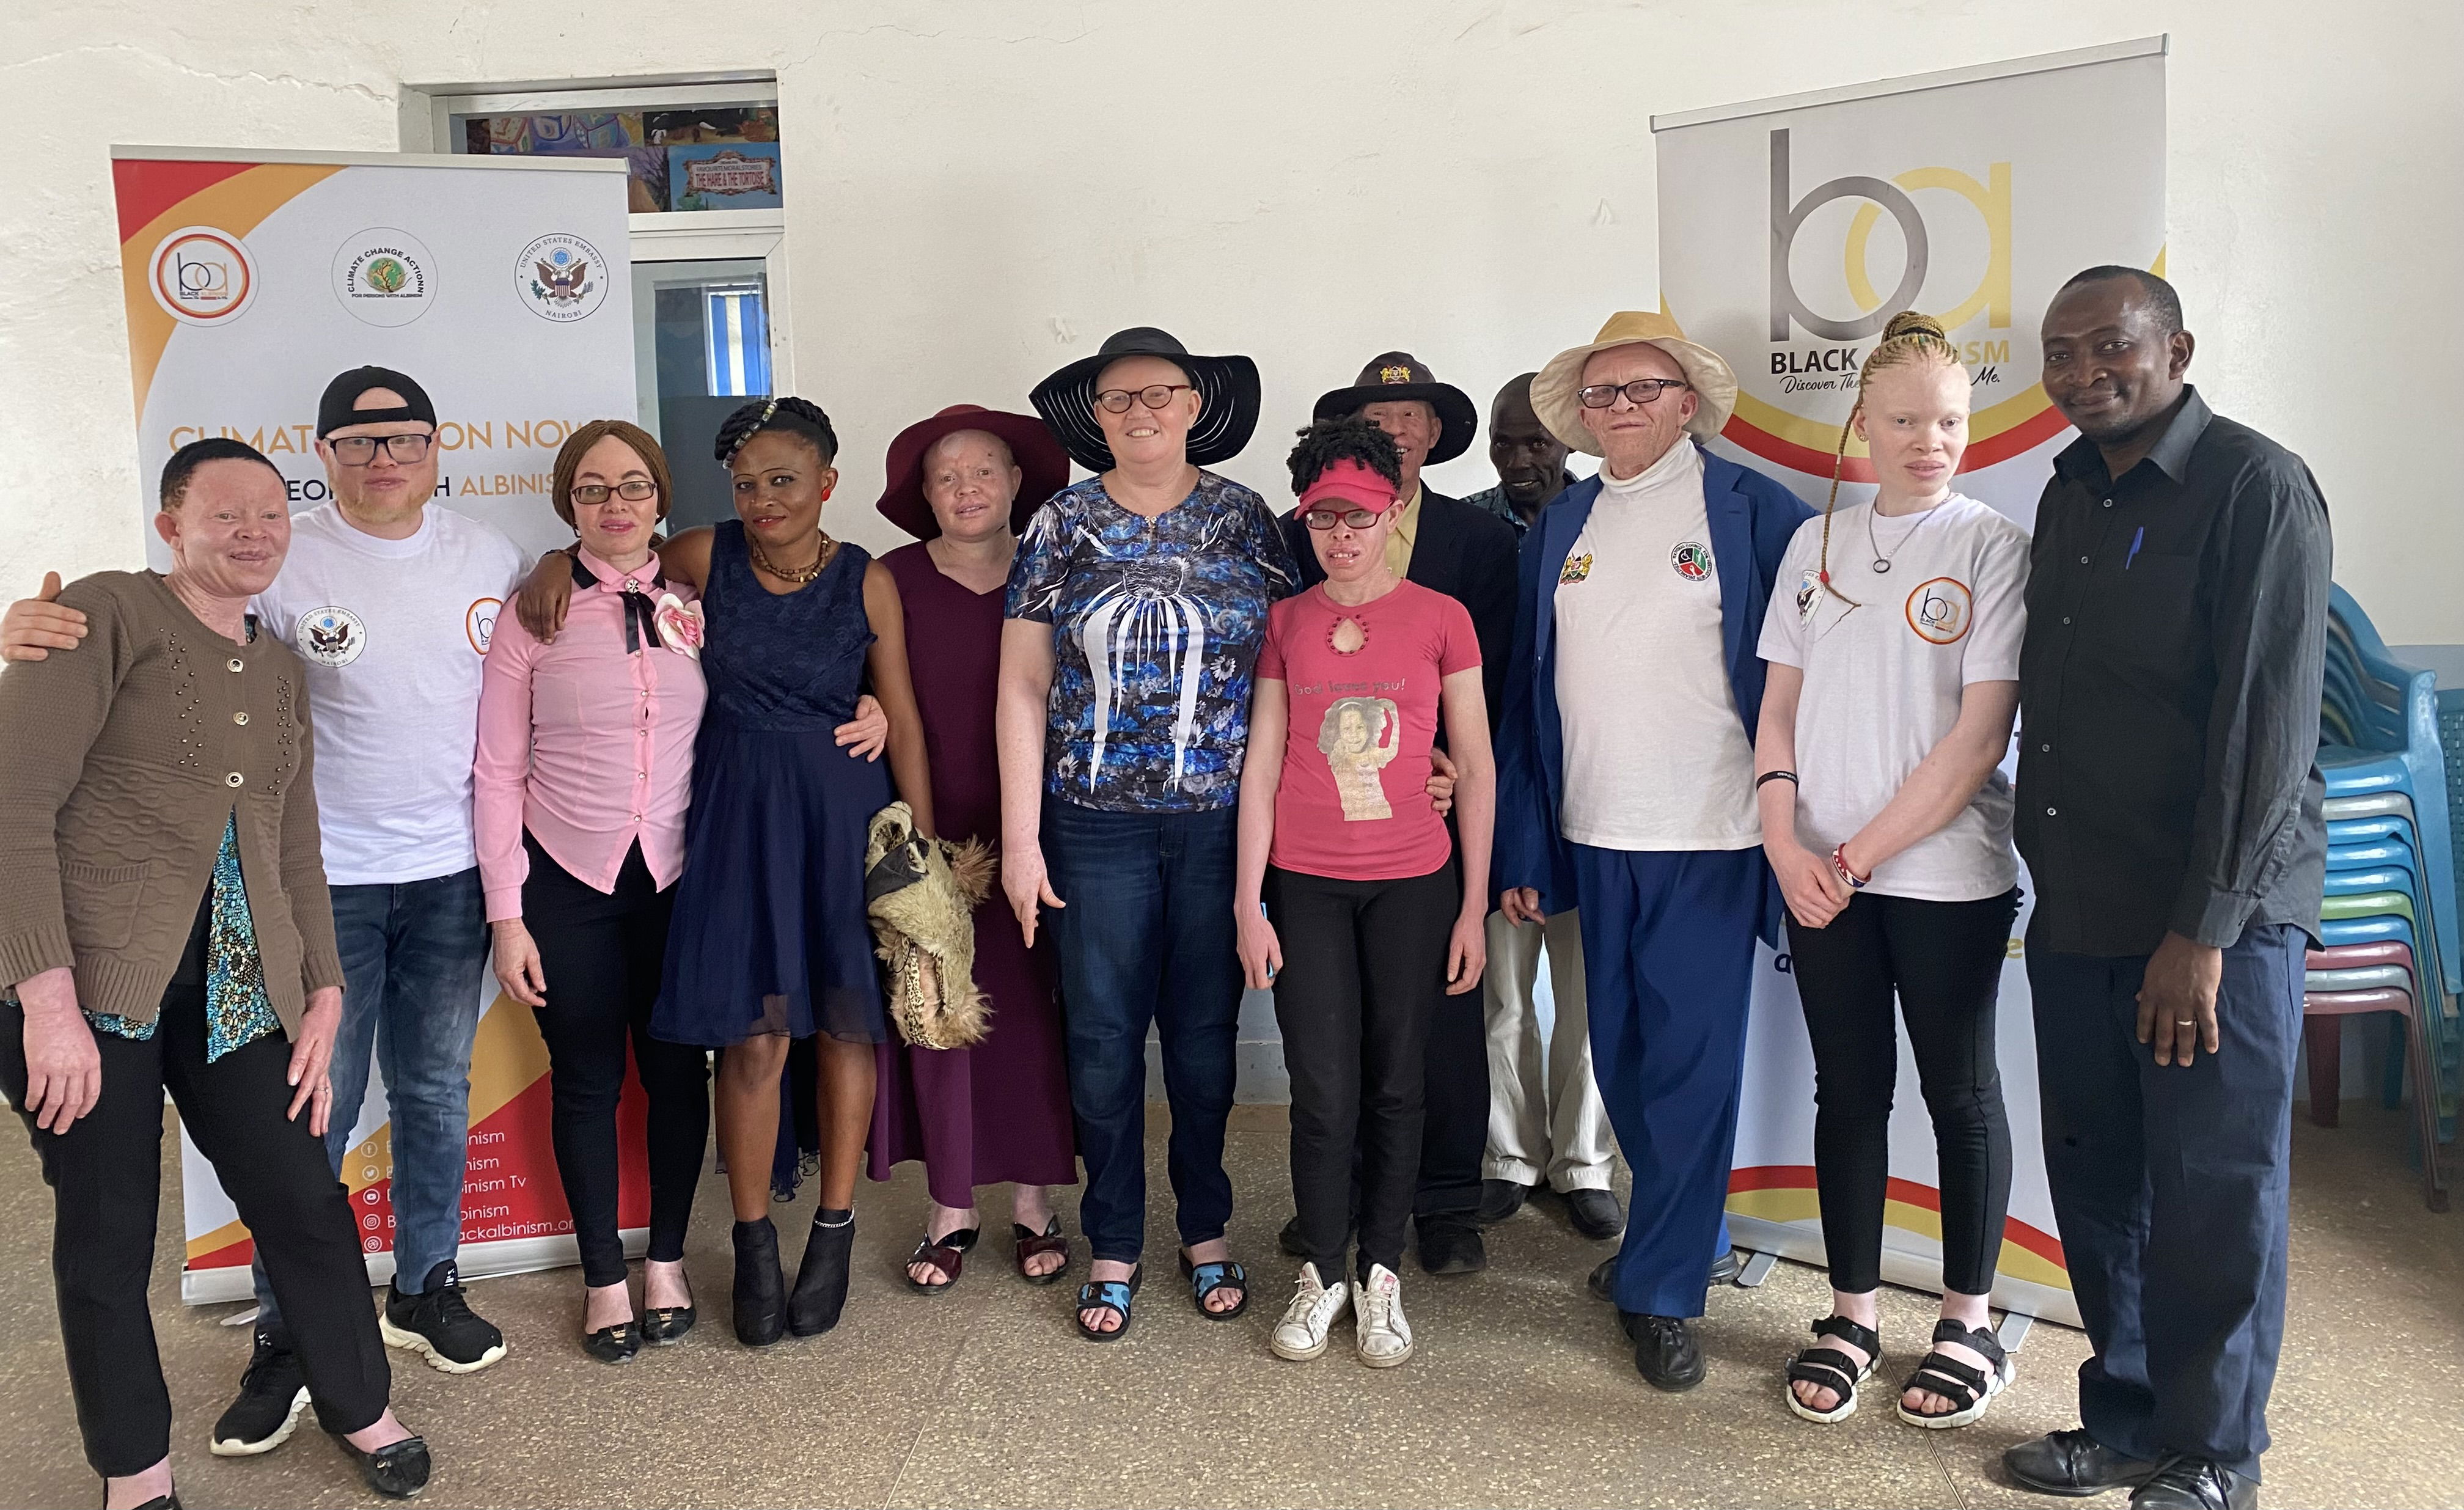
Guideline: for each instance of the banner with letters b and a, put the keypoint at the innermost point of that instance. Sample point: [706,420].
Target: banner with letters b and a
[1791,231]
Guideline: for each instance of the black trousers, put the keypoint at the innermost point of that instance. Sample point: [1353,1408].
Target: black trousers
[1942,961]
[1364,972]
[602,954]
[106,1174]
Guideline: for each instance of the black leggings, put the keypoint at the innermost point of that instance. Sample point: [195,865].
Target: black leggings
[1364,971]
[602,955]
[106,1174]
[1944,959]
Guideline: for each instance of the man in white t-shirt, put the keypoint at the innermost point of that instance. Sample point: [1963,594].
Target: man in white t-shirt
[390,603]
[1625,773]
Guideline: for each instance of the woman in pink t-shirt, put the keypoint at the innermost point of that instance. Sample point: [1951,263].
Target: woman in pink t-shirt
[1348,898]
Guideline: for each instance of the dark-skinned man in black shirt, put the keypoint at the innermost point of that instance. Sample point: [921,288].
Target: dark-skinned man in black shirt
[2170,811]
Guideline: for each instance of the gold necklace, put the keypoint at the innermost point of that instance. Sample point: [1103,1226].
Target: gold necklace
[793,573]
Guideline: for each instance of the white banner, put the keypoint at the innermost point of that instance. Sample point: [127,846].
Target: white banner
[1790,230]
[503,285]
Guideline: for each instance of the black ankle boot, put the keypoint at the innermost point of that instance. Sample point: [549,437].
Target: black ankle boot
[761,1284]
[822,1278]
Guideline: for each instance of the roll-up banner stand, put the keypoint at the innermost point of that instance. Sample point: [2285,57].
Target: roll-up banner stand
[1790,230]
[503,284]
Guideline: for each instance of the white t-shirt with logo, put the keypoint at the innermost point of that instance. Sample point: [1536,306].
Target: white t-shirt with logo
[393,633]
[1884,679]
[1656,757]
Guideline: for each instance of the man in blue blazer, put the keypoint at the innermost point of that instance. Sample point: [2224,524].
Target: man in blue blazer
[1626,781]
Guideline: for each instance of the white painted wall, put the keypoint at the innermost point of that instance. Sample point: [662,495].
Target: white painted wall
[982,191]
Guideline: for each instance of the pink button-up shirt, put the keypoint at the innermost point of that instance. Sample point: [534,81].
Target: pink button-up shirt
[586,744]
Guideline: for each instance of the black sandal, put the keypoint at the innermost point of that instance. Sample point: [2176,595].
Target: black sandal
[1032,1243]
[1108,1295]
[1205,1278]
[1833,1369]
[1968,1387]
[948,1255]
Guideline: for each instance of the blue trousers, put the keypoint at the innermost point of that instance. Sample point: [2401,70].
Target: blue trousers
[1668,956]
[1145,936]
[2170,1183]
[414,956]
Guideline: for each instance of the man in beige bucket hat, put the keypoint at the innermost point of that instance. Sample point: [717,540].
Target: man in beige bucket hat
[1626,781]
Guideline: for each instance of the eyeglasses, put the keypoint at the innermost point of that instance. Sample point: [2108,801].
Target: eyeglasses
[1327,518]
[1117,401]
[358,450]
[1642,390]
[632,491]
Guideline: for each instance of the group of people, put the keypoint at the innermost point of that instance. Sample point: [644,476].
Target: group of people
[1381,752]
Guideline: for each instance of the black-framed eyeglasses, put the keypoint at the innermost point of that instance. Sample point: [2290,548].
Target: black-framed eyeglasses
[1328,518]
[1117,401]
[1642,390]
[358,450]
[634,490]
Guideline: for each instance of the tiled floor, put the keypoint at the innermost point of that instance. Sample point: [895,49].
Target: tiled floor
[1521,1394]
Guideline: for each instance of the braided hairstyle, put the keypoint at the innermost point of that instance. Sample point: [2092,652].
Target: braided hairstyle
[1326,442]
[801,418]
[1909,339]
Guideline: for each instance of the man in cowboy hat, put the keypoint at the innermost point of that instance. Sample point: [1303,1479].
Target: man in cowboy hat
[1448,546]
[1626,780]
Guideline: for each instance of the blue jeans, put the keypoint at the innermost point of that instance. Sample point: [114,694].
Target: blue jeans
[2172,1184]
[413,956]
[1145,935]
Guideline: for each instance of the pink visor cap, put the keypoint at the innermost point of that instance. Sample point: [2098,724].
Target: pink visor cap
[1347,485]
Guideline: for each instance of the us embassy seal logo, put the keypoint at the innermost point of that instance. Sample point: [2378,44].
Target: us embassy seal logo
[332,635]
[202,276]
[384,276]
[561,278]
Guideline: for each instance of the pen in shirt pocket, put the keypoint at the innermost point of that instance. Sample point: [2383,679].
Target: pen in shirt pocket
[2136,537]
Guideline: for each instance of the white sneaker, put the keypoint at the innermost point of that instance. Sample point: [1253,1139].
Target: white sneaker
[1378,1312]
[1301,1335]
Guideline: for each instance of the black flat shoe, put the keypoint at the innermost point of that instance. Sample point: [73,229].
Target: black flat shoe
[1451,1245]
[2196,1483]
[1664,1351]
[170,1501]
[663,1324]
[1500,1199]
[2073,1464]
[397,1470]
[617,1343]
[761,1284]
[1594,1214]
[821,1288]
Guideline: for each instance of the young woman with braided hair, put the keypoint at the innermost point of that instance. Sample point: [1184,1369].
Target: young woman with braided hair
[1893,646]
[768,942]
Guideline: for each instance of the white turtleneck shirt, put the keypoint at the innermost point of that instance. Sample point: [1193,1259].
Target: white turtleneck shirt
[1656,757]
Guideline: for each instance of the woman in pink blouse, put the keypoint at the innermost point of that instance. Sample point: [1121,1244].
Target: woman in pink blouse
[585,769]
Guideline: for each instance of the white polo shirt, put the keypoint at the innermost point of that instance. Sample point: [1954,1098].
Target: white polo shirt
[393,633]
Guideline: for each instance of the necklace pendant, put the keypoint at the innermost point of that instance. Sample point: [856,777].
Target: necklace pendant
[1880,567]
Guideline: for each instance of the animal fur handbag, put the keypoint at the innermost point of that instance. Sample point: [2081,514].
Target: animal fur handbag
[922,895]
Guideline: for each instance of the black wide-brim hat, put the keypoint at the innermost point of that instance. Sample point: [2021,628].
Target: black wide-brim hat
[1227,393]
[1043,470]
[1398,375]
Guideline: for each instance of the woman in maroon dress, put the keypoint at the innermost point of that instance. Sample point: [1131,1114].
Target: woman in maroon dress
[963,482]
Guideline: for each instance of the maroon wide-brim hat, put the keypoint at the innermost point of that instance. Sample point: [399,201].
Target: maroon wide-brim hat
[1044,467]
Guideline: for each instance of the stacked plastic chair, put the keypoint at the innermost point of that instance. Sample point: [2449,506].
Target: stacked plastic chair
[2389,920]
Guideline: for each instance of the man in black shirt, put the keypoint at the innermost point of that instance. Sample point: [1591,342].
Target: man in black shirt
[2169,807]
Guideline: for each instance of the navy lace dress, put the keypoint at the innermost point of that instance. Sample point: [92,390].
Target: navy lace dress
[769,933]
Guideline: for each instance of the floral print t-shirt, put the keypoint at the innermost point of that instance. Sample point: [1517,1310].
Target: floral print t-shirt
[1155,627]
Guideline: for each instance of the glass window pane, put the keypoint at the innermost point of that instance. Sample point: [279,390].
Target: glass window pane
[701,334]
[703,157]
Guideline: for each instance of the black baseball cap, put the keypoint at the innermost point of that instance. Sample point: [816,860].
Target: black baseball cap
[334,410]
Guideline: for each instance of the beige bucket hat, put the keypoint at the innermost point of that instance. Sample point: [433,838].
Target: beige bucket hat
[1714,381]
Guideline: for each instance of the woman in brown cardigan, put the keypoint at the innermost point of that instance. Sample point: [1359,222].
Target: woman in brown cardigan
[166,927]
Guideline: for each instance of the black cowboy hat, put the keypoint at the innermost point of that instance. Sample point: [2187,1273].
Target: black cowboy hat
[1399,375]
[1227,392]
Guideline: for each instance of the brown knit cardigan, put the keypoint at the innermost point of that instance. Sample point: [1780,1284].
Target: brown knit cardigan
[127,757]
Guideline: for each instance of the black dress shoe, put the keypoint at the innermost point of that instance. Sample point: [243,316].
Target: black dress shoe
[1603,1282]
[397,1470]
[1664,1351]
[2196,1483]
[617,1343]
[1594,1214]
[1500,1199]
[1451,1245]
[2072,1463]
[761,1284]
